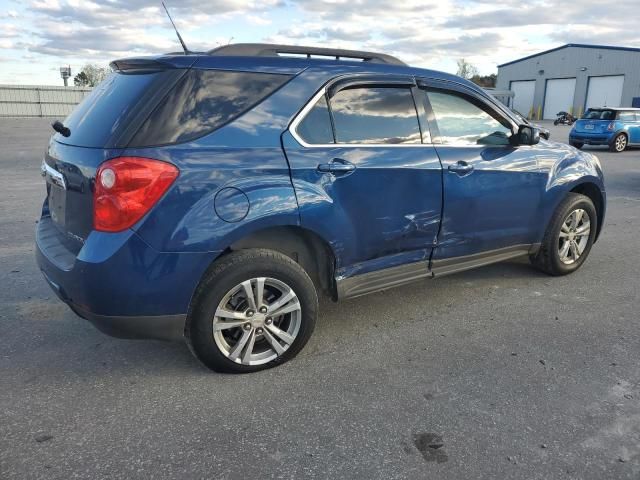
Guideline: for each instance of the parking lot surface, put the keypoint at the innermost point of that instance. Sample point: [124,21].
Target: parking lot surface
[501,372]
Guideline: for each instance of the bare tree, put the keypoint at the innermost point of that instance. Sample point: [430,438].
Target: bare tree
[466,69]
[90,75]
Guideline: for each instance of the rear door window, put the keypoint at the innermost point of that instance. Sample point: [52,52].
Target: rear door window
[203,101]
[316,128]
[375,115]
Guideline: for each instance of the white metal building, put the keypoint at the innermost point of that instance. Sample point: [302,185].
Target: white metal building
[572,78]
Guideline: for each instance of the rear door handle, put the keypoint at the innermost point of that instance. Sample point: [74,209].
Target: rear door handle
[461,167]
[337,166]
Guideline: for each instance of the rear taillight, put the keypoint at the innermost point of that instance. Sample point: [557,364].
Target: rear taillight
[125,190]
[611,127]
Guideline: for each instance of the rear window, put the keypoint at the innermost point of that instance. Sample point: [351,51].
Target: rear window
[202,101]
[102,118]
[599,114]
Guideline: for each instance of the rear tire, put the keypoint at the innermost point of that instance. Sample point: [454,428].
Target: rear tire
[569,236]
[234,324]
[619,143]
[577,145]
[555,122]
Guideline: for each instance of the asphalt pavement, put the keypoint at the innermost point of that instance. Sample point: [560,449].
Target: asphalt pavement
[501,372]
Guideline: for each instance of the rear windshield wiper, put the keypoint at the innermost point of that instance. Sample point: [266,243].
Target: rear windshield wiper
[59,127]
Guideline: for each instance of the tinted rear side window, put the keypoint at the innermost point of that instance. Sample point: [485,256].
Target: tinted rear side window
[202,101]
[380,115]
[102,117]
[627,116]
[315,128]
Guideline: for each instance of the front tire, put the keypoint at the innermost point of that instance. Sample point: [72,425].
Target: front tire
[253,310]
[619,143]
[569,236]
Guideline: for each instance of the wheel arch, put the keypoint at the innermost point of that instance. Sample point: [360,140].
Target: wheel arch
[591,190]
[312,252]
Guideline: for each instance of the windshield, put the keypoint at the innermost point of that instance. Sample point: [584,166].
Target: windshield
[599,114]
[519,116]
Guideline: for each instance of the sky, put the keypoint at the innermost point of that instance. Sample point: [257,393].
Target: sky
[37,37]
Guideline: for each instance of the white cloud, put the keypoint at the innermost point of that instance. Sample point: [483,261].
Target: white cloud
[258,20]
[425,33]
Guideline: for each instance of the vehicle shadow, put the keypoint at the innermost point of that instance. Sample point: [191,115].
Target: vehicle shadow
[62,346]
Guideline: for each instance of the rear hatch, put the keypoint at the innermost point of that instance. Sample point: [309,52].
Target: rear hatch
[143,104]
[99,128]
[595,121]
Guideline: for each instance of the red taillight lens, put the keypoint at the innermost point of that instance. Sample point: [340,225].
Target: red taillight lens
[125,190]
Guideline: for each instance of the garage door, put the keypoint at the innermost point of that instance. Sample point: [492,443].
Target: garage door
[605,91]
[558,97]
[522,100]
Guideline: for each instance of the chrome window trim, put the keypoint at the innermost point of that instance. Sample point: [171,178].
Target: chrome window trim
[307,108]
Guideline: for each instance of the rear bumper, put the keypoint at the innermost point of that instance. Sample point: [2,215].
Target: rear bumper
[160,327]
[591,138]
[126,288]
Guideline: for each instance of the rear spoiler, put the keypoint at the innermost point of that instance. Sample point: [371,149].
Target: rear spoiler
[150,65]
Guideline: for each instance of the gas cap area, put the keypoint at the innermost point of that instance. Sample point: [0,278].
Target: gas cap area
[231,204]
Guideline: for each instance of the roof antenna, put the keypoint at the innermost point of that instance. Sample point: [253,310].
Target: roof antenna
[184,47]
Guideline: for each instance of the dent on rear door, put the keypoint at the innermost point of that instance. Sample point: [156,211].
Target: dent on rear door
[387,212]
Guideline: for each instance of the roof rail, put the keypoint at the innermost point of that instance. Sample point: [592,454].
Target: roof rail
[274,50]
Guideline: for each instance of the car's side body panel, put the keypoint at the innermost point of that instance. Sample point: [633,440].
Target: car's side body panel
[567,169]
[196,215]
[497,205]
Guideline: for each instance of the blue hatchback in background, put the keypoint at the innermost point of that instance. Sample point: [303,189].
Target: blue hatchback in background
[211,197]
[617,128]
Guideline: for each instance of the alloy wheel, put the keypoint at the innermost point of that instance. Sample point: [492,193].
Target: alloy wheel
[574,236]
[621,143]
[257,321]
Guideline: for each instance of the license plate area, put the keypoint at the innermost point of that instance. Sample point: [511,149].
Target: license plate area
[588,127]
[57,203]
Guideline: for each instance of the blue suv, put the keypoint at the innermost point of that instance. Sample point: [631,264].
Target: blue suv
[211,197]
[616,127]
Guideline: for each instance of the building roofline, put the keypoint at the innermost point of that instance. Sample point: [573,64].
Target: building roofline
[579,45]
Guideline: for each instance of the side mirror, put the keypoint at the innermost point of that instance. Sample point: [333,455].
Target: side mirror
[528,135]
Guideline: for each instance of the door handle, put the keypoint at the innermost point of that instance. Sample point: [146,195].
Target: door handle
[337,166]
[461,167]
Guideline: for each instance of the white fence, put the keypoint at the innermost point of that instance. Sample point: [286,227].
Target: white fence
[39,100]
